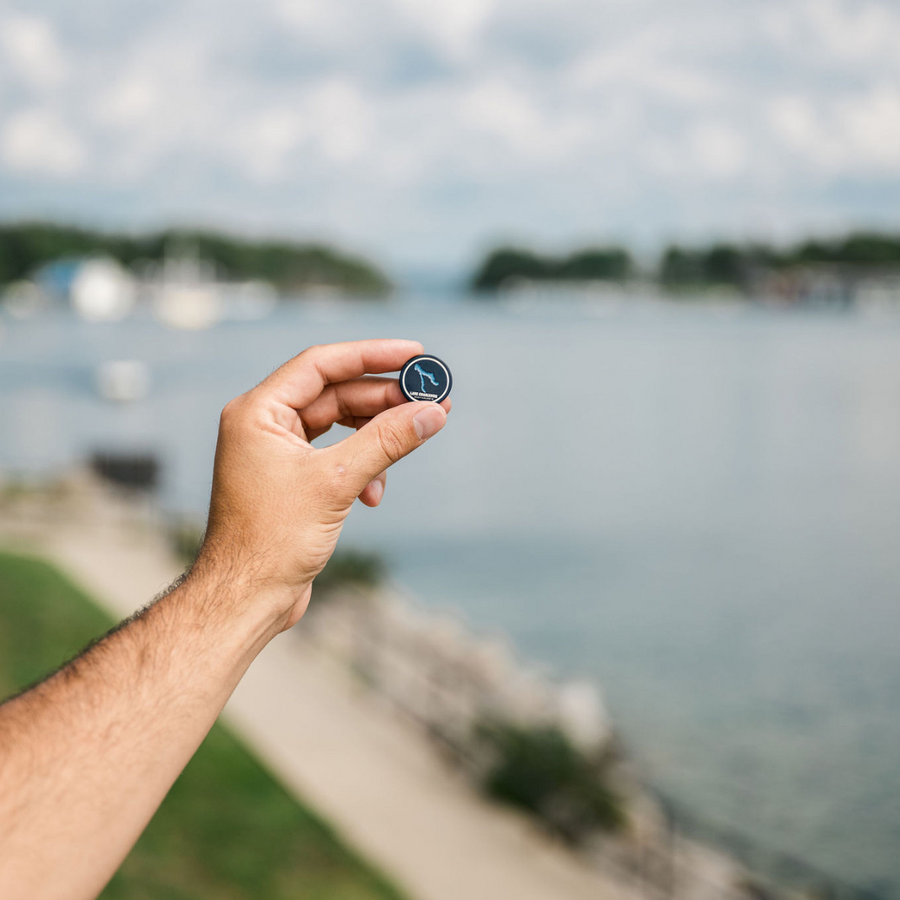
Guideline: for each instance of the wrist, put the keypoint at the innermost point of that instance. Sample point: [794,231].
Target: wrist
[242,610]
[232,565]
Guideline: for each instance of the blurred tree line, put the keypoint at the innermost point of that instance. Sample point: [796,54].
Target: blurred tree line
[25,247]
[591,264]
[726,264]
[735,264]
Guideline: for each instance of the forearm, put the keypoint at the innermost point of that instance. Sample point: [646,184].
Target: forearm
[87,756]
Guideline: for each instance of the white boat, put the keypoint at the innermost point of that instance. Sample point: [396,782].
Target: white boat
[102,290]
[123,380]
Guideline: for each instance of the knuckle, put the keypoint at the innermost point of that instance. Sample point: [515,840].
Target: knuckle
[393,441]
[233,412]
[229,411]
[335,490]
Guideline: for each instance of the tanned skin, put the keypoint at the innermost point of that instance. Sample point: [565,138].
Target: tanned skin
[87,756]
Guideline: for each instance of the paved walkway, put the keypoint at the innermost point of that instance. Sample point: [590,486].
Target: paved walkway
[375,777]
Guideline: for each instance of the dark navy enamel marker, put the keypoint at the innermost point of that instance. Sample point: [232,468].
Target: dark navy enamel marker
[425,378]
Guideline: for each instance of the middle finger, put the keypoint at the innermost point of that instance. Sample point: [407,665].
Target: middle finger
[357,398]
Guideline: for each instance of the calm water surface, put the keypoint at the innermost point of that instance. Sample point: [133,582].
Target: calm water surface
[698,507]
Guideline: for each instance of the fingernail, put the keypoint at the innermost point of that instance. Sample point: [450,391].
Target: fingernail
[429,422]
[377,490]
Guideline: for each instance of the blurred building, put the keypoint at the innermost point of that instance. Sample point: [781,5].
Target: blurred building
[97,288]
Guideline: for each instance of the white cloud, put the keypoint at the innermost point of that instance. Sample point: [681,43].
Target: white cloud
[129,102]
[31,50]
[853,134]
[527,130]
[38,142]
[339,119]
[871,124]
[719,150]
[855,32]
[267,145]
[452,27]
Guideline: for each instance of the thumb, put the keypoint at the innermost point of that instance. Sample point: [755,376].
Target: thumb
[389,437]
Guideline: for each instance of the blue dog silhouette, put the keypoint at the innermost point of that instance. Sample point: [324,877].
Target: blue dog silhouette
[423,375]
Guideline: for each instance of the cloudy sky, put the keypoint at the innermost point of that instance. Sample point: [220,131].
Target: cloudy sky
[422,131]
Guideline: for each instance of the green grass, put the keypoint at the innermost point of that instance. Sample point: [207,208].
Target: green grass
[227,829]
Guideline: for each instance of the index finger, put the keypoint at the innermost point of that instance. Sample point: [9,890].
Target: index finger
[300,380]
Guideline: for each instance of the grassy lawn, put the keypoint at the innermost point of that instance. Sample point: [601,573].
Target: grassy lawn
[227,829]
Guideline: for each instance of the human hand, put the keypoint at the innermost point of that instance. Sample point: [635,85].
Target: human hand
[278,503]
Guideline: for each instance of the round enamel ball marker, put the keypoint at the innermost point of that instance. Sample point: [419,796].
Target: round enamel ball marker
[425,378]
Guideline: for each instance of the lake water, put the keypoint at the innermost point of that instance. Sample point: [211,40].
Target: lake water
[699,507]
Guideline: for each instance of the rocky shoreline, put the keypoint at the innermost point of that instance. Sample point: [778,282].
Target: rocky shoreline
[457,687]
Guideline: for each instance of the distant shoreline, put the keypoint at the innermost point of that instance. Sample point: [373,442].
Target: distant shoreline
[291,267]
[862,267]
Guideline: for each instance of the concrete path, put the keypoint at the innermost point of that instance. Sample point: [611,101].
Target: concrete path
[375,777]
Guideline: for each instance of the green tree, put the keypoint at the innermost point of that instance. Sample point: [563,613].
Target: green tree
[598,264]
[506,264]
[591,264]
[680,267]
[725,264]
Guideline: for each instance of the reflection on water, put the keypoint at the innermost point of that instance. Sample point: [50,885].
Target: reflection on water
[699,509]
